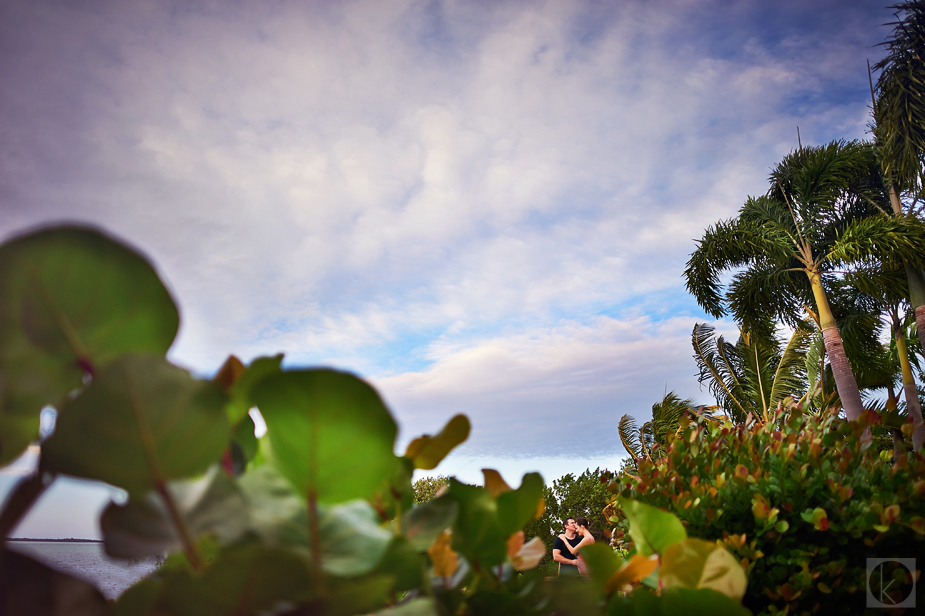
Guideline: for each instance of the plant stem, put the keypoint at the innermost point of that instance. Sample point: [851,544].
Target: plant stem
[189,547]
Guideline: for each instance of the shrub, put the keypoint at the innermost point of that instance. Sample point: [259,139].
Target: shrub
[426,488]
[802,500]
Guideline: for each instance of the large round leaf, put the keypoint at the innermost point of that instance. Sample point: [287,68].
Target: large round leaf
[332,436]
[142,422]
[71,299]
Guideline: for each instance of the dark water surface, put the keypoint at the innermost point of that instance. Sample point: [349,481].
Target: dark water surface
[88,562]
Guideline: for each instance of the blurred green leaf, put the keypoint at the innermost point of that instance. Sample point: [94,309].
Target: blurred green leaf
[403,561]
[210,505]
[71,300]
[352,542]
[239,402]
[396,495]
[685,602]
[518,507]
[427,451]
[331,434]
[424,523]
[695,563]
[250,580]
[477,533]
[29,587]
[651,529]
[602,563]
[422,606]
[143,422]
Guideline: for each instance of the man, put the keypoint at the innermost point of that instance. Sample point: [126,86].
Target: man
[568,562]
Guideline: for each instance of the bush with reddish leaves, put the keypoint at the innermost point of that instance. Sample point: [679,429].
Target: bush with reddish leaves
[803,501]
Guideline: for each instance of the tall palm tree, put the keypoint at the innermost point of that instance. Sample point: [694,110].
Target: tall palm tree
[751,377]
[899,126]
[889,289]
[819,213]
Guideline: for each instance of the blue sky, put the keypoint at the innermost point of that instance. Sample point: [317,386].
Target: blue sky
[481,207]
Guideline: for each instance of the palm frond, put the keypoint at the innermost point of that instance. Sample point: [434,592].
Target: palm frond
[629,436]
[717,371]
[790,374]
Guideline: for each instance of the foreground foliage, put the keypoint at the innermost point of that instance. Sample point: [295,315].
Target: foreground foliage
[799,500]
[316,517]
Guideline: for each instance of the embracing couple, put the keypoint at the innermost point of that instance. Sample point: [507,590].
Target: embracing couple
[567,545]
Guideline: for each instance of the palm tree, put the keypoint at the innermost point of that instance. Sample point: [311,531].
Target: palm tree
[642,442]
[820,213]
[751,377]
[890,290]
[899,127]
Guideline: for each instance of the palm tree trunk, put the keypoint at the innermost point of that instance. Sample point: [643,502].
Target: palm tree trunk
[909,389]
[898,438]
[845,382]
[915,277]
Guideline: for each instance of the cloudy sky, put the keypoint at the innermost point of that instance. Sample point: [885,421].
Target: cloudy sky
[480,206]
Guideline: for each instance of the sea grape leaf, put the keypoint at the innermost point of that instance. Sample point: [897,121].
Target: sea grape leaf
[139,599]
[230,372]
[422,606]
[494,482]
[518,507]
[424,523]
[16,432]
[248,580]
[651,529]
[273,505]
[331,434]
[405,562]
[143,422]
[695,563]
[396,495]
[239,402]
[427,451]
[244,436]
[29,587]
[477,532]
[142,527]
[71,300]
[353,596]
[638,568]
[352,542]
[602,563]
[686,602]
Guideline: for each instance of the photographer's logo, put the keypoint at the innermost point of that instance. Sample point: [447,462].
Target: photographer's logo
[890,582]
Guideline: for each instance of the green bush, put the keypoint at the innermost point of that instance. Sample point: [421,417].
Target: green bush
[426,488]
[315,517]
[802,500]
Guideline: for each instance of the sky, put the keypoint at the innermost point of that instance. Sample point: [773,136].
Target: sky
[479,207]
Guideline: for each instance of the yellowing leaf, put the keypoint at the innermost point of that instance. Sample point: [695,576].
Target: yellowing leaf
[514,543]
[540,509]
[442,556]
[529,555]
[633,570]
[494,483]
[427,451]
[695,563]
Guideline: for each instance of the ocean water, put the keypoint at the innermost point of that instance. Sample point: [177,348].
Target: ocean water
[87,561]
